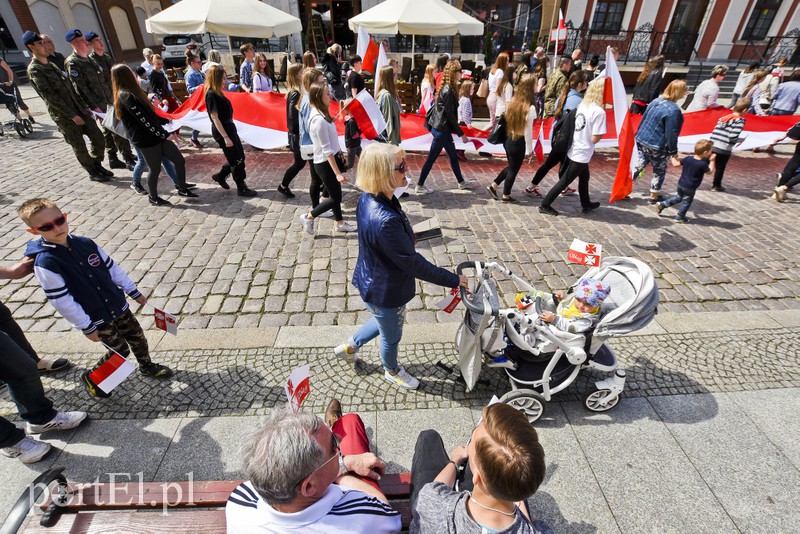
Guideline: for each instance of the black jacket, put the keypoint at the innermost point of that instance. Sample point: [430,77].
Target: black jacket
[159,84]
[445,118]
[331,65]
[143,125]
[292,119]
[650,88]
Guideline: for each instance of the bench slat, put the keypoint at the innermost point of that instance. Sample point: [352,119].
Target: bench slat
[175,522]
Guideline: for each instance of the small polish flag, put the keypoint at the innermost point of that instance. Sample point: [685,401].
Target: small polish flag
[449,303]
[538,149]
[560,33]
[298,386]
[367,115]
[382,62]
[112,373]
[367,49]
[584,253]
[166,321]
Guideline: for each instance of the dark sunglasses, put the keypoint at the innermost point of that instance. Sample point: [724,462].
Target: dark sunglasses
[49,226]
[401,167]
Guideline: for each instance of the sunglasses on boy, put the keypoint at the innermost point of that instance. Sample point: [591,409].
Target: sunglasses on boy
[51,225]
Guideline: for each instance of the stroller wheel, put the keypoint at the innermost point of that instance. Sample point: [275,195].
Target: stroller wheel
[20,129]
[526,401]
[28,125]
[594,400]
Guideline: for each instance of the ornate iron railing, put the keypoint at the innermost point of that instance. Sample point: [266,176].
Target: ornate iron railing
[770,49]
[634,46]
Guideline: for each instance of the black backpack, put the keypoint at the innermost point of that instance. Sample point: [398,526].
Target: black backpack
[563,131]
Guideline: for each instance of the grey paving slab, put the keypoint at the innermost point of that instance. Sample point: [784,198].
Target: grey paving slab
[397,432]
[569,475]
[100,448]
[645,476]
[221,338]
[775,413]
[715,322]
[749,475]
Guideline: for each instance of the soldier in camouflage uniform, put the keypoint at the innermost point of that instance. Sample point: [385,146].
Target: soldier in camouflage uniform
[555,85]
[72,119]
[100,56]
[93,91]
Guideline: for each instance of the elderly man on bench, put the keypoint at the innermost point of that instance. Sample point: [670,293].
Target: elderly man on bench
[307,477]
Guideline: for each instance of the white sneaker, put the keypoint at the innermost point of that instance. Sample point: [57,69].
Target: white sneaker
[346,352]
[402,379]
[781,192]
[422,190]
[467,184]
[62,421]
[344,227]
[328,214]
[28,450]
[308,224]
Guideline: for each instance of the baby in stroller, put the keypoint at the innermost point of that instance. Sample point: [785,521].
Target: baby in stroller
[575,312]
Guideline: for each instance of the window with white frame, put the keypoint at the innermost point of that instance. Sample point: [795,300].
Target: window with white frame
[761,19]
[608,15]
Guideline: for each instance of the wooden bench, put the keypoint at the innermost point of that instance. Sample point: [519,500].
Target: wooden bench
[157,507]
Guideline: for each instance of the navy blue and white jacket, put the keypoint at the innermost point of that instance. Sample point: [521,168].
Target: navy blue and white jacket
[81,281]
[339,511]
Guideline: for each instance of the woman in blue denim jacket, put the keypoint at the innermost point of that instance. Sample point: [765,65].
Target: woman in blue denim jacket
[657,136]
[388,265]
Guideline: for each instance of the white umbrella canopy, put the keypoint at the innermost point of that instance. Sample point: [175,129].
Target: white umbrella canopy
[416,17]
[243,18]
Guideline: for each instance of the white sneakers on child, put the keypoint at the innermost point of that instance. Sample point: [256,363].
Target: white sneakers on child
[402,379]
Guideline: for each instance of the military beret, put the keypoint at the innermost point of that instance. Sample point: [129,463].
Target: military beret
[73,34]
[90,35]
[30,37]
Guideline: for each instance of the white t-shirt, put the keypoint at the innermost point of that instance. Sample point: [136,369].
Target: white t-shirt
[341,510]
[590,119]
[323,136]
[493,79]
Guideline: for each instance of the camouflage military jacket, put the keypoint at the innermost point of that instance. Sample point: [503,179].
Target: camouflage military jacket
[87,79]
[52,85]
[555,84]
[106,62]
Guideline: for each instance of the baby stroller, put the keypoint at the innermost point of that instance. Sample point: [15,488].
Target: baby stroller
[22,126]
[538,370]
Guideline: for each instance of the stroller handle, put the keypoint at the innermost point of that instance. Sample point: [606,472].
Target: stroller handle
[465,298]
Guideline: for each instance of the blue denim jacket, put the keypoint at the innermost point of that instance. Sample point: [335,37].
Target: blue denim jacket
[660,126]
[193,79]
[388,265]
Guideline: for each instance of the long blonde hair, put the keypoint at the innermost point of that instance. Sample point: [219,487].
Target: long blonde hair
[386,80]
[214,79]
[429,75]
[448,78]
[315,98]
[675,90]
[594,93]
[293,75]
[517,111]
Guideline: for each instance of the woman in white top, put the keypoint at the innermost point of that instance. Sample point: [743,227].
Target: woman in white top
[705,95]
[768,88]
[753,92]
[590,126]
[500,65]
[262,76]
[325,140]
[744,79]
[520,115]
[426,89]
[505,90]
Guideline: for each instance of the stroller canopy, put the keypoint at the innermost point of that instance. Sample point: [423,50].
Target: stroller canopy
[633,300]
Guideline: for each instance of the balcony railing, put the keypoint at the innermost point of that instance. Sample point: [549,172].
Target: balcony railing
[771,48]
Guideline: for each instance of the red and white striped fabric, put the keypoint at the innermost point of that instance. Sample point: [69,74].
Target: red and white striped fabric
[112,373]
[367,115]
[367,49]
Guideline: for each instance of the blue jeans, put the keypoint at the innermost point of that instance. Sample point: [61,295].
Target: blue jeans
[139,168]
[684,197]
[441,140]
[388,322]
[18,370]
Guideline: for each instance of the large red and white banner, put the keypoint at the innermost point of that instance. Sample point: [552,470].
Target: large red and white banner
[261,122]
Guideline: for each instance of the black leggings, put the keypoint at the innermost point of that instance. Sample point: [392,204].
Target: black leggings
[430,457]
[571,171]
[14,89]
[788,177]
[12,329]
[515,153]
[553,159]
[291,172]
[328,179]
[152,156]
[721,162]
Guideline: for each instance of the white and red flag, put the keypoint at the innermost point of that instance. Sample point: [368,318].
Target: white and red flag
[165,321]
[538,147]
[298,386]
[367,115]
[367,49]
[559,33]
[112,372]
[382,62]
[626,130]
[584,253]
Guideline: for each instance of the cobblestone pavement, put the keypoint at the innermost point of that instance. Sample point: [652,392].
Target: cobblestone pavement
[221,261]
[247,381]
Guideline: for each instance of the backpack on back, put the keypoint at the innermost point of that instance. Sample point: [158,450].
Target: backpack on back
[563,131]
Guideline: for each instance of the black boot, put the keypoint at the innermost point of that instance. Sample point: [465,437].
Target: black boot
[243,191]
[115,163]
[102,170]
[220,178]
[95,175]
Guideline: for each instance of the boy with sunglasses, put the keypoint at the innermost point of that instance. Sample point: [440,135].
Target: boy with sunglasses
[87,288]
